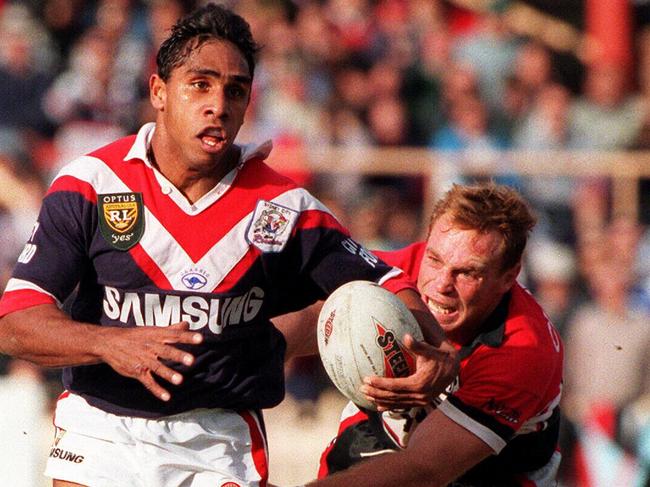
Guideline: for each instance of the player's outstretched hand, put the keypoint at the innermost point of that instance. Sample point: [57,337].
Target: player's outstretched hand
[435,368]
[138,352]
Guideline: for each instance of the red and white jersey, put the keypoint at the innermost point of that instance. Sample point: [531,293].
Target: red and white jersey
[115,234]
[510,378]
[507,392]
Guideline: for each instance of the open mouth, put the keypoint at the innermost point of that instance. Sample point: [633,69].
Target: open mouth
[212,138]
[211,141]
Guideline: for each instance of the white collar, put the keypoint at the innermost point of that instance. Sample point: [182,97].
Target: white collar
[139,150]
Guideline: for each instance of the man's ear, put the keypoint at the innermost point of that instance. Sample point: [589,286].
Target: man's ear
[157,92]
[510,276]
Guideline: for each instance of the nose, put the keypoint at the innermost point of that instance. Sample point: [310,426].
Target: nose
[217,106]
[444,282]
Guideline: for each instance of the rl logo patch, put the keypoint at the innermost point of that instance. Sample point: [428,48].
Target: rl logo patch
[121,219]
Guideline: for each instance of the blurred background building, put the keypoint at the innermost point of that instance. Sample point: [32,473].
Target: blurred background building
[377,106]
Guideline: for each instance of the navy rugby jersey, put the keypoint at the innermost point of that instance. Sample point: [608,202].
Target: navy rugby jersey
[132,251]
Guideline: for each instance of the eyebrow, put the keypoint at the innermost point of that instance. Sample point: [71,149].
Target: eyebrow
[240,78]
[472,266]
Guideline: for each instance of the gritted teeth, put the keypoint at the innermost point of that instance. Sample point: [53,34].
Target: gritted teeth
[438,308]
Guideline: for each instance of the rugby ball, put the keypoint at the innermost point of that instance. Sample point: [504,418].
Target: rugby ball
[361,328]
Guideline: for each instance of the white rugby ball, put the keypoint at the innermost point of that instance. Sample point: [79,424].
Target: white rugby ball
[361,329]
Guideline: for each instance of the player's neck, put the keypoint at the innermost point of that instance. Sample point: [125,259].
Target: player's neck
[193,181]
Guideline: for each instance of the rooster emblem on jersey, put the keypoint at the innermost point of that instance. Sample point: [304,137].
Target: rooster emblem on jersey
[271,226]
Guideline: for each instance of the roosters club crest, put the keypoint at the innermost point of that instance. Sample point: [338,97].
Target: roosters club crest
[271,226]
[121,219]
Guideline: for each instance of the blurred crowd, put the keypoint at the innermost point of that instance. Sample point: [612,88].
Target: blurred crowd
[378,73]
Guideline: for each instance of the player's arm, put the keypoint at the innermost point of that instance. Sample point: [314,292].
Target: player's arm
[439,451]
[48,337]
[436,358]
[299,330]
[436,364]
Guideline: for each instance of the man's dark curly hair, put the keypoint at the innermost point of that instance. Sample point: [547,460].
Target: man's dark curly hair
[204,24]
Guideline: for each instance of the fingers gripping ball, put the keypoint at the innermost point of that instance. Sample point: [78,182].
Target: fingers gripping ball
[361,328]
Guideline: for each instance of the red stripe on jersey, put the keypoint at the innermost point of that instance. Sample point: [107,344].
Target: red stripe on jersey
[149,267]
[239,270]
[258,450]
[323,468]
[22,299]
[70,183]
[408,259]
[62,396]
[394,436]
[214,222]
[319,219]
[524,482]
[119,148]
[356,418]
[581,468]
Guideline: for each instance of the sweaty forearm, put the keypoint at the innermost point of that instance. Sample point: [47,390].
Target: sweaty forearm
[48,337]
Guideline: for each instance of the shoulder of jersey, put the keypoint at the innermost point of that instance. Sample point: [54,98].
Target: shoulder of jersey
[116,150]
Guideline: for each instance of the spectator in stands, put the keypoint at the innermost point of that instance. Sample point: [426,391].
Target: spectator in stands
[490,48]
[530,74]
[63,19]
[607,116]
[367,219]
[551,274]
[468,139]
[25,70]
[20,195]
[319,49]
[533,68]
[608,340]
[88,89]
[545,128]
[84,101]
[423,84]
